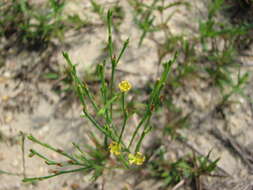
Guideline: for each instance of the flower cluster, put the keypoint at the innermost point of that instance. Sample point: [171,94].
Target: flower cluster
[115,148]
[124,86]
[136,159]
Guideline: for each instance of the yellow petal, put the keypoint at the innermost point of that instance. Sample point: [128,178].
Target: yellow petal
[124,86]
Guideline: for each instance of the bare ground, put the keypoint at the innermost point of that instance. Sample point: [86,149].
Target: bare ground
[30,105]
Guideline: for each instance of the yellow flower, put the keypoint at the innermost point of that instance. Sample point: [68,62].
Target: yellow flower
[115,148]
[137,159]
[124,86]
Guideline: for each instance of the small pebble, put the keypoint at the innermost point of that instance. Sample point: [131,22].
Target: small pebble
[42,169]
[3,79]
[75,186]
[8,118]
[7,74]
[5,98]
[1,156]
[15,163]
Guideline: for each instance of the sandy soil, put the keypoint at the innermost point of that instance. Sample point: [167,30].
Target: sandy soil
[31,106]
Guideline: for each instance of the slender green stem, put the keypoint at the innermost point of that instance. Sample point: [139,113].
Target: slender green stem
[111,88]
[105,141]
[125,115]
[153,97]
[32,138]
[91,98]
[110,44]
[144,132]
[103,90]
[102,111]
[122,50]
[125,162]
[109,23]
[138,127]
[95,123]
[81,88]
[80,93]
[78,148]
[49,162]
[82,157]
[56,174]
[106,131]
[114,65]
[142,38]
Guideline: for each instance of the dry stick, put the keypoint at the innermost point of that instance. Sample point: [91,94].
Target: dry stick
[245,155]
[199,153]
[198,185]
[23,152]
[179,184]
